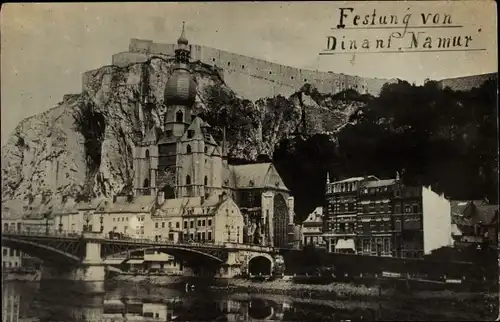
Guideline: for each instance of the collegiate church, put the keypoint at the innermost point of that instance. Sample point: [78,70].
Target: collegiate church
[185,166]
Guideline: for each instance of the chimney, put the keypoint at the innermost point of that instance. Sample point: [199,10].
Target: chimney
[160,197]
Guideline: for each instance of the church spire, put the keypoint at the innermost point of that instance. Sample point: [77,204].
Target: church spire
[183,51]
[182,39]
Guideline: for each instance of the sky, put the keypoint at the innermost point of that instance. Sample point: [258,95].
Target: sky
[46,47]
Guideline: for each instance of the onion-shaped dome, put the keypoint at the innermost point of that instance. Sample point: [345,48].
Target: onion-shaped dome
[182,39]
[180,88]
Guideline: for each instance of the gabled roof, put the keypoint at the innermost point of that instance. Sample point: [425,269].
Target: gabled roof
[469,213]
[257,176]
[192,206]
[91,205]
[138,204]
[315,217]
[69,207]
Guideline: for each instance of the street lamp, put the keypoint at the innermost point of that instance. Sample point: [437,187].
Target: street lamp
[46,216]
[60,224]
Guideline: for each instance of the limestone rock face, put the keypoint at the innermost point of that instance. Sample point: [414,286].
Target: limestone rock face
[83,148]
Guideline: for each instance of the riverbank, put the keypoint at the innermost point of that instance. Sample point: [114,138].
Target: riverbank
[335,290]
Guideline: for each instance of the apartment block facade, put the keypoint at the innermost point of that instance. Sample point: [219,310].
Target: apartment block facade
[369,216]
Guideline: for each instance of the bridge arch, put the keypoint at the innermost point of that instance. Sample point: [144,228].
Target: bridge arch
[261,264]
[176,251]
[45,252]
[259,309]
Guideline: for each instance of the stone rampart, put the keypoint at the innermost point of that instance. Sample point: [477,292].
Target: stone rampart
[467,82]
[254,78]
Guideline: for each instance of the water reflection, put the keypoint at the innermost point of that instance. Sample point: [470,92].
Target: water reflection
[132,302]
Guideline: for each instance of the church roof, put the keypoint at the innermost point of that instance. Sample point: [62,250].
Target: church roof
[181,87]
[257,176]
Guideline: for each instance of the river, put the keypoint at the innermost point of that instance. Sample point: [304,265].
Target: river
[128,301]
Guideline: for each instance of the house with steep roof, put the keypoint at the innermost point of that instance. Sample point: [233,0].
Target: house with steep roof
[312,229]
[477,222]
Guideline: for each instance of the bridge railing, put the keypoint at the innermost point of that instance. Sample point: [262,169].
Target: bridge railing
[43,233]
[73,234]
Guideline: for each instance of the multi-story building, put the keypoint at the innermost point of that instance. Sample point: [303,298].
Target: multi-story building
[312,229]
[341,211]
[11,258]
[370,216]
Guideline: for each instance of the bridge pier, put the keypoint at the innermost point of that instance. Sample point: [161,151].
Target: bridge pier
[90,273]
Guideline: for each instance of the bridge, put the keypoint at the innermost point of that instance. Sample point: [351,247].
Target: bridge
[85,256]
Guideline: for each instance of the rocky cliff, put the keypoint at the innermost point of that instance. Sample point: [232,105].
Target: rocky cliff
[83,147]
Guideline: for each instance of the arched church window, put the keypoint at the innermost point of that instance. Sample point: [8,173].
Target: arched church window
[188,149]
[179,117]
[205,182]
[146,183]
[147,154]
[188,179]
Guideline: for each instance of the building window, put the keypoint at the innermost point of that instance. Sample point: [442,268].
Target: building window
[185,224]
[416,209]
[11,252]
[156,225]
[397,208]
[203,223]
[188,149]
[205,181]
[177,225]
[147,154]
[5,251]
[188,180]
[386,246]
[203,236]
[191,224]
[199,223]
[209,235]
[163,225]
[179,117]
[190,134]
[6,227]
[146,183]
[366,246]
[210,222]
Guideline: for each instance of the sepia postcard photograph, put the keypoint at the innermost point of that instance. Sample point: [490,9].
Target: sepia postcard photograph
[250,161]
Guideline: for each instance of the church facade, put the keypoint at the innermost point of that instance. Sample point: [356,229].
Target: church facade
[184,162]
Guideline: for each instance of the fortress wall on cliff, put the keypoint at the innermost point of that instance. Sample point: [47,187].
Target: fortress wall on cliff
[467,82]
[253,78]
